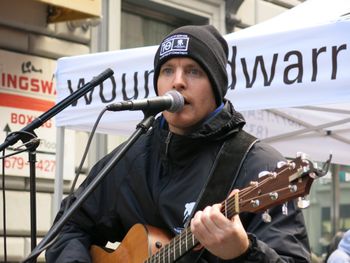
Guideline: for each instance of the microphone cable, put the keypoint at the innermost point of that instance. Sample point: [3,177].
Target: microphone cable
[80,167]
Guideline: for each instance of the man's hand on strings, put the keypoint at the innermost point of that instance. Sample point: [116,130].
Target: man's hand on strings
[223,237]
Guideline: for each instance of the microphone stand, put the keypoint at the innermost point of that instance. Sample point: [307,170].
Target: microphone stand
[32,187]
[141,128]
[31,146]
[23,135]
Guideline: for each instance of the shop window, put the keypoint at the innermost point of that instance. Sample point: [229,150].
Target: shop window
[326,225]
[144,26]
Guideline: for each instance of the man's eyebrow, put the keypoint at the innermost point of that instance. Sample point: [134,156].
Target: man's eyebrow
[193,65]
[187,65]
[168,64]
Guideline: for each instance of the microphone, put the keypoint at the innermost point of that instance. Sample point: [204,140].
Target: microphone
[171,101]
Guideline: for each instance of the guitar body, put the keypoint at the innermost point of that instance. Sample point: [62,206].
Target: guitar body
[137,246]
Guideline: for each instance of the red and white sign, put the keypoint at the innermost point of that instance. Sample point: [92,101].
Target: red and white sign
[27,90]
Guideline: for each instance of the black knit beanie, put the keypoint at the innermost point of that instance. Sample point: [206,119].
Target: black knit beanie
[205,45]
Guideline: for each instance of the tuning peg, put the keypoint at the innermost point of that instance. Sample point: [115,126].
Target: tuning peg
[266,217]
[263,173]
[303,155]
[255,203]
[303,202]
[285,209]
[293,188]
[267,173]
[281,164]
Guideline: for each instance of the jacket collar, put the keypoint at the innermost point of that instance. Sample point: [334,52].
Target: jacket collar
[222,123]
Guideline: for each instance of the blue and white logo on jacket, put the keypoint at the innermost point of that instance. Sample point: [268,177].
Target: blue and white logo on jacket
[188,210]
[187,213]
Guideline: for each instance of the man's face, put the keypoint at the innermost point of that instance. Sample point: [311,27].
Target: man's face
[186,76]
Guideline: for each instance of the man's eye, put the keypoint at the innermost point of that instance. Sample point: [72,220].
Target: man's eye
[167,71]
[194,72]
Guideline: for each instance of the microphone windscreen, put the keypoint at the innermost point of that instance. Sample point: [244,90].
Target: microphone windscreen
[178,101]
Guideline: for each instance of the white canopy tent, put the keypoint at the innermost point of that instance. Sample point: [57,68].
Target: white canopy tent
[311,127]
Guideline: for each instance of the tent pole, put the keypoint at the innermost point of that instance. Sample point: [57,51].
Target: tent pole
[58,184]
[335,206]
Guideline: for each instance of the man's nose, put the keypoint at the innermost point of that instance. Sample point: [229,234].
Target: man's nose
[179,81]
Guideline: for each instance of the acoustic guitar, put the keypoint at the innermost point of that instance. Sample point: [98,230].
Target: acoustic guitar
[147,244]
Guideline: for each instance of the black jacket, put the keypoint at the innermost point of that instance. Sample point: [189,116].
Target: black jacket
[157,183]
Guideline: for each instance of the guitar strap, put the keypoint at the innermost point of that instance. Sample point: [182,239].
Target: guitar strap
[225,171]
[223,177]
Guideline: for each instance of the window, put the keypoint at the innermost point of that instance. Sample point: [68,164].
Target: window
[144,23]
[344,223]
[138,31]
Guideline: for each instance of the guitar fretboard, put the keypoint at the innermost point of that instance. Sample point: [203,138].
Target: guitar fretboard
[186,241]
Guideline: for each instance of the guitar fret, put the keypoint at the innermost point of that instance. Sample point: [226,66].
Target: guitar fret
[192,236]
[186,231]
[180,244]
[169,255]
[174,249]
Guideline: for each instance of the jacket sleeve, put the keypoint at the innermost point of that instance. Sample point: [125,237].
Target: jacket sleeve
[74,241]
[284,239]
[72,245]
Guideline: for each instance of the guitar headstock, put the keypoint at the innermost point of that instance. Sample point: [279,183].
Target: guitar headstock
[290,180]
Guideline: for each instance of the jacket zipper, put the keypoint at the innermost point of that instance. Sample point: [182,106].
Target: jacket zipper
[167,143]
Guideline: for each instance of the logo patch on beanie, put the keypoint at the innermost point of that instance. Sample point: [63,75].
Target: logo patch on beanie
[177,44]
